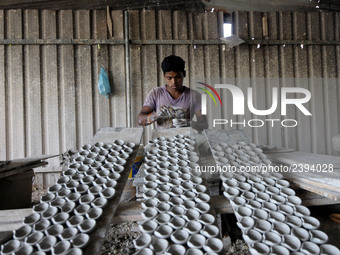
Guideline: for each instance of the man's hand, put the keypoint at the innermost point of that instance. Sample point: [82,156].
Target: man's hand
[167,112]
[146,116]
[164,112]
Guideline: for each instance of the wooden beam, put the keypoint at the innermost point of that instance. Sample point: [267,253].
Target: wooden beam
[20,165]
[132,210]
[190,5]
[110,135]
[128,211]
[21,170]
[261,5]
[313,172]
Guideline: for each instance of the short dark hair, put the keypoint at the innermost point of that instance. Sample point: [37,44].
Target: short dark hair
[173,63]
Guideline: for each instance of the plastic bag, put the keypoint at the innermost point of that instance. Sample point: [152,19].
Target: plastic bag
[104,84]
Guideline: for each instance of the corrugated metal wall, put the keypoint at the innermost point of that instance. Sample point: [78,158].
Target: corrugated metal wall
[315,67]
[49,101]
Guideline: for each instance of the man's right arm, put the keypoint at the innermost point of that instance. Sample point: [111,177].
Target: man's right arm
[146,116]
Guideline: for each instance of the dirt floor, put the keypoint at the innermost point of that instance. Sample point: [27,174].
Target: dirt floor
[119,241]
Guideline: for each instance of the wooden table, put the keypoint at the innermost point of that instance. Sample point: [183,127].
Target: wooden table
[316,173]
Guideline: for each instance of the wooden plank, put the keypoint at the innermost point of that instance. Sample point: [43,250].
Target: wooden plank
[165,32]
[150,65]
[135,56]
[171,132]
[316,84]
[100,59]
[330,78]
[211,60]
[8,2]
[32,86]
[16,165]
[222,61]
[13,219]
[301,71]
[101,4]
[196,72]
[83,80]
[257,76]
[312,199]
[48,170]
[3,114]
[15,88]
[227,72]
[98,236]
[21,170]
[197,67]
[128,211]
[299,157]
[109,135]
[33,158]
[206,62]
[242,62]
[138,93]
[324,88]
[68,127]
[325,183]
[118,108]
[281,62]
[215,137]
[271,72]
[314,121]
[254,57]
[50,92]
[323,189]
[180,28]
[152,76]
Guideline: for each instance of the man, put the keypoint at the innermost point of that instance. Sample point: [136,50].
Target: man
[173,105]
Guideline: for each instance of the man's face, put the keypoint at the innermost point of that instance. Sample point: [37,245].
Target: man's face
[174,80]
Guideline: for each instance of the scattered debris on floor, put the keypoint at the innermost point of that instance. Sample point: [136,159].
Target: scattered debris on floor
[119,239]
[239,247]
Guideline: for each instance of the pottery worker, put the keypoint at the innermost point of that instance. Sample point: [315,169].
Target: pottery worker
[173,105]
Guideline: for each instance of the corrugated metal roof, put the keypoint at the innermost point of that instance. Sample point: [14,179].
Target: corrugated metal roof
[187,5]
